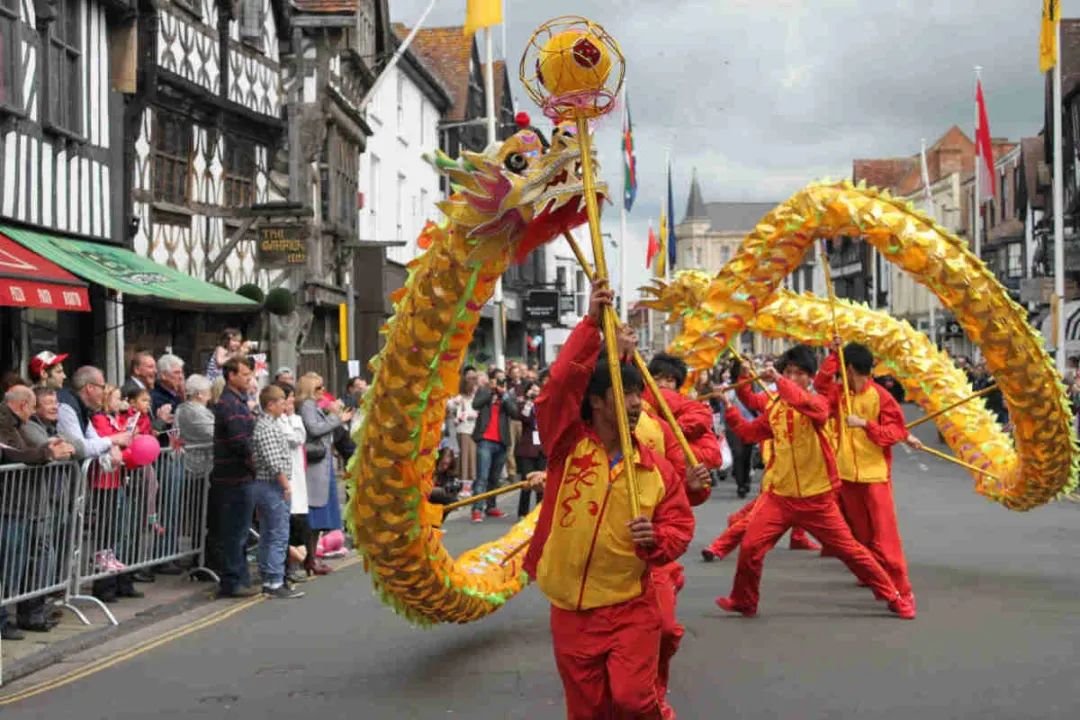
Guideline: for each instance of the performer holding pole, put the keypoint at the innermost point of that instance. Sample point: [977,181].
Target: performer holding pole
[864,463]
[689,419]
[596,566]
[800,484]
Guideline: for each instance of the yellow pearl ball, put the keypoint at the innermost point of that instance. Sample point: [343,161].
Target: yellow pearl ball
[573,61]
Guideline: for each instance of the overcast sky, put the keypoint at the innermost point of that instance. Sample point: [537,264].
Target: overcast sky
[764,96]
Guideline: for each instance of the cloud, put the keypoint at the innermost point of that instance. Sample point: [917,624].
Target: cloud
[763,96]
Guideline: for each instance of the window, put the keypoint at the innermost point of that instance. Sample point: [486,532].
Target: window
[424,209]
[171,158]
[1016,260]
[423,123]
[344,172]
[1018,212]
[400,234]
[1004,195]
[401,104]
[239,173]
[371,201]
[580,297]
[63,66]
[251,22]
[9,55]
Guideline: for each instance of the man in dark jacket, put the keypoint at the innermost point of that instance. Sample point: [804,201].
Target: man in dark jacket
[497,407]
[232,492]
[16,520]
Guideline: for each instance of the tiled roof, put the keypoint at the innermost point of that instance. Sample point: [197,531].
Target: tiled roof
[884,173]
[446,51]
[695,204]
[327,7]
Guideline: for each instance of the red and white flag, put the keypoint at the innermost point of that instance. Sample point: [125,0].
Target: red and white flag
[654,248]
[984,149]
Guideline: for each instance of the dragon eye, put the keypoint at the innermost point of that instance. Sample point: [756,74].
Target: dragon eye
[516,163]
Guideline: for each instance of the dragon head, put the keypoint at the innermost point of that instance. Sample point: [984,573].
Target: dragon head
[517,195]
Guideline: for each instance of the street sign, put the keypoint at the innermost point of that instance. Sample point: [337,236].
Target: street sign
[281,245]
[542,306]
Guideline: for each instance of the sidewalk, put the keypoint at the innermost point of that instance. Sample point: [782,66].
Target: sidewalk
[168,596]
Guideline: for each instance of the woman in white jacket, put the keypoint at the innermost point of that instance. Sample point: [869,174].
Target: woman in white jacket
[299,531]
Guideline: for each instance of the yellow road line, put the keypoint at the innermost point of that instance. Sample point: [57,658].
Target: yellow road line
[120,656]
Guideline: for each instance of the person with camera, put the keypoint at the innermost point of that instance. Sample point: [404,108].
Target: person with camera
[496,407]
[529,452]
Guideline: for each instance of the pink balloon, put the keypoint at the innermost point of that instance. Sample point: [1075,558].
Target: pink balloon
[143,451]
[332,541]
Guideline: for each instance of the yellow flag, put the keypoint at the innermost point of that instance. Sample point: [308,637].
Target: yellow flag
[1051,15]
[482,14]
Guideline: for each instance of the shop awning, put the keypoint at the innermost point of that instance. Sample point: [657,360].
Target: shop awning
[28,280]
[124,271]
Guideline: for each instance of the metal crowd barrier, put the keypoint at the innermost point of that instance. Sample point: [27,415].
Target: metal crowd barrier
[37,504]
[65,527]
[133,519]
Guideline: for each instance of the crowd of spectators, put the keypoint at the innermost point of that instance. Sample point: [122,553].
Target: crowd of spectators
[269,449]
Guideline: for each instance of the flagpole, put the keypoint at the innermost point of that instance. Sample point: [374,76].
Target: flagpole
[1059,216]
[977,239]
[664,250]
[932,300]
[624,306]
[489,97]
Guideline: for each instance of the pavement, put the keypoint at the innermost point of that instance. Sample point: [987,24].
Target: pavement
[997,637]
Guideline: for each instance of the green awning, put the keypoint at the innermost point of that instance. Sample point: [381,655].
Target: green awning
[124,271]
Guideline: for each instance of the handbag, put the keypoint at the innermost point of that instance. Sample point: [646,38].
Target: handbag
[314,450]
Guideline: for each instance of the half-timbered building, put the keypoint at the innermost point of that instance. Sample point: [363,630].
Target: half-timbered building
[58,149]
[204,130]
[333,48]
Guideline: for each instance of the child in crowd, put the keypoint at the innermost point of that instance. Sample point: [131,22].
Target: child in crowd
[273,466]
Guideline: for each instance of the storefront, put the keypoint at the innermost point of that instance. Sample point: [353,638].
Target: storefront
[122,285]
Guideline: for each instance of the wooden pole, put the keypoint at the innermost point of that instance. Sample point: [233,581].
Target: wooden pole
[639,361]
[515,552]
[753,376]
[958,403]
[958,461]
[484,496]
[592,209]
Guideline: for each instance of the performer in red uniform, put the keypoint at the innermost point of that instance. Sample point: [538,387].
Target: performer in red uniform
[588,555]
[864,457]
[738,521]
[695,422]
[800,480]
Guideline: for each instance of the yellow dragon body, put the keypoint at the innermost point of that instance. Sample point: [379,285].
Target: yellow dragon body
[744,295]
[506,202]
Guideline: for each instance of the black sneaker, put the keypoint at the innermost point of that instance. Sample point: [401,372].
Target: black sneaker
[8,631]
[245,591]
[282,592]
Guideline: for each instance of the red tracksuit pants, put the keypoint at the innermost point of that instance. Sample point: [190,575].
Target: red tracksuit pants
[819,514]
[668,580]
[607,659]
[738,521]
[871,513]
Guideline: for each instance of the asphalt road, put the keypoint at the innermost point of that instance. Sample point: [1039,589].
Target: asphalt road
[997,636]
